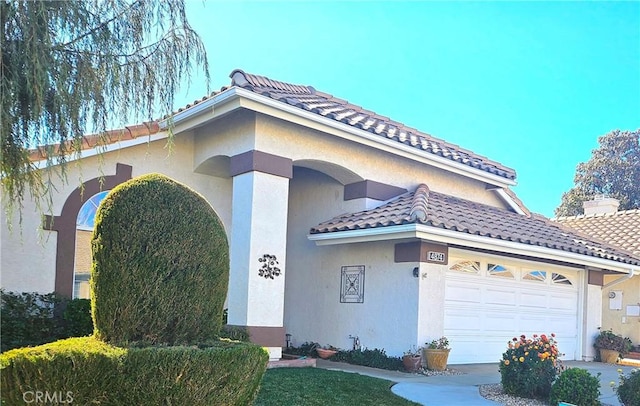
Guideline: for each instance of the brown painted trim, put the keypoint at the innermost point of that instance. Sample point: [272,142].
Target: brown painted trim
[372,190]
[261,162]
[422,251]
[595,277]
[65,224]
[266,336]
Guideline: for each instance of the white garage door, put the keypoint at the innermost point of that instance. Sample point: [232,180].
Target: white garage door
[487,303]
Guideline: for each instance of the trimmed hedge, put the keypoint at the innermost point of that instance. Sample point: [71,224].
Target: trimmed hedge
[91,371]
[161,264]
[31,318]
[576,386]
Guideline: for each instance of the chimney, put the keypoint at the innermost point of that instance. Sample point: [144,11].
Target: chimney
[601,204]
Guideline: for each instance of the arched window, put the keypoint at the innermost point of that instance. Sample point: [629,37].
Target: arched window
[84,230]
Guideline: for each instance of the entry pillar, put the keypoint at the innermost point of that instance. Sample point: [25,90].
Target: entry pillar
[258,246]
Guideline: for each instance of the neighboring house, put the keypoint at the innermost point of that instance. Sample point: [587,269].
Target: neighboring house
[380,231]
[621,295]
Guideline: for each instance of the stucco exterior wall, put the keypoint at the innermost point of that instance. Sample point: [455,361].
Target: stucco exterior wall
[618,320]
[29,253]
[300,143]
[313,312]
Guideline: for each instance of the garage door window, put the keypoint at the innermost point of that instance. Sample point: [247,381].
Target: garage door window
[535,276]
[500,270]
[560,279]
[472,267]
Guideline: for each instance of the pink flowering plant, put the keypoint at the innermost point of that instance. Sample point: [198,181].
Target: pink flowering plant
[529,366]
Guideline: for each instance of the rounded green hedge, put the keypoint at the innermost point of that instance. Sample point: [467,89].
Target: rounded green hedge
[160,265]
[88,371]
[576,386]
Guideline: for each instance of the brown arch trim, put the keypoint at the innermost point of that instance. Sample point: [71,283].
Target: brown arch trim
[65,224]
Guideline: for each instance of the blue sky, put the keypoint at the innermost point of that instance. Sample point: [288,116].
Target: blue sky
[529,84]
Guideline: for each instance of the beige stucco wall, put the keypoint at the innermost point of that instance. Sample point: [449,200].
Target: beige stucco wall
[29,253]
[300,143]
[618,320]
[313,312]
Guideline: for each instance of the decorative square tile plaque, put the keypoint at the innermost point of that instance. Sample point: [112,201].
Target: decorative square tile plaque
[352,284]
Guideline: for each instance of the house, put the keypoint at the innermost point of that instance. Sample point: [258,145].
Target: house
[603,220]
[342,223]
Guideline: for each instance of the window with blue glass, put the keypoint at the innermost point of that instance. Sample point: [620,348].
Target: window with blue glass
[84,229]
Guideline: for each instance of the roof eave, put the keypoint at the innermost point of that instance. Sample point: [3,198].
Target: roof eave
[425,232]
[266,105]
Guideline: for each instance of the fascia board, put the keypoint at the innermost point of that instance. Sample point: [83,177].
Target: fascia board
[294,114]
[473,241]
[365,235]
[505,196]
[86,153]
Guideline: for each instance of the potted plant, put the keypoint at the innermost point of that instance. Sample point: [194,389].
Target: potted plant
[611,346]
[327,351]
[436,353]
[412,359]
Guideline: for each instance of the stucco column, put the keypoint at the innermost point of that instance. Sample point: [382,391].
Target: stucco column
[592,313]
[258,234]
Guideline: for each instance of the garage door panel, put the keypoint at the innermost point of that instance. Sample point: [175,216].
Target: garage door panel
[464,293]
[563,302]
[500,297]
[535,300]
[492,312]
[463,321]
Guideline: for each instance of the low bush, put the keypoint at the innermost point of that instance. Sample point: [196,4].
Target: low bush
[30,318]
[576,386]
[629,389]
[376,358]
[529,366]
[237,333]
[87,371]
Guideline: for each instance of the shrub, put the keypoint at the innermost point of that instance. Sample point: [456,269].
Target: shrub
[529,366]
[237,333]
[608,340]
[576,386]
[161,264]
[376,358]
[34,318]
[91,371]
[77,317]
[629,389]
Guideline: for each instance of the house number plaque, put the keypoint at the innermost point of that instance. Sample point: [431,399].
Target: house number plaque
[433,256]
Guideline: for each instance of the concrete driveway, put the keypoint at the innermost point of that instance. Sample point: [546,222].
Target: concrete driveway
[462,389]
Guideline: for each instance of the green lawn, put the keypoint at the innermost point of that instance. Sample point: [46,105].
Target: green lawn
[315,386]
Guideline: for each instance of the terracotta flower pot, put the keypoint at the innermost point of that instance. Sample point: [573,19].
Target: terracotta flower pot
[412,363]
[609,356]
[324,353]
[436,359]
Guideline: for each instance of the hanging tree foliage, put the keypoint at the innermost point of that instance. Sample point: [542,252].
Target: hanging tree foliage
[69,68]
[613,170]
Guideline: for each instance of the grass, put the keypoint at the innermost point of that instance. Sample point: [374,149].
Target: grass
[315,386]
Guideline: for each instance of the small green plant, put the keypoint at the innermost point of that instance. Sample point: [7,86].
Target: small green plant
[576,386]
[413,352]
[629,389]
[608,340]
[529,366]
[441,343]
[376,358]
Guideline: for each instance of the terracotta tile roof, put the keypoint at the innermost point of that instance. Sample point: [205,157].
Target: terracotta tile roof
[621,229]
[442,211]
[308,99]
[99,140]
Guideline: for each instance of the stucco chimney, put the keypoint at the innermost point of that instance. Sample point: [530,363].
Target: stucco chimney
[601,204]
